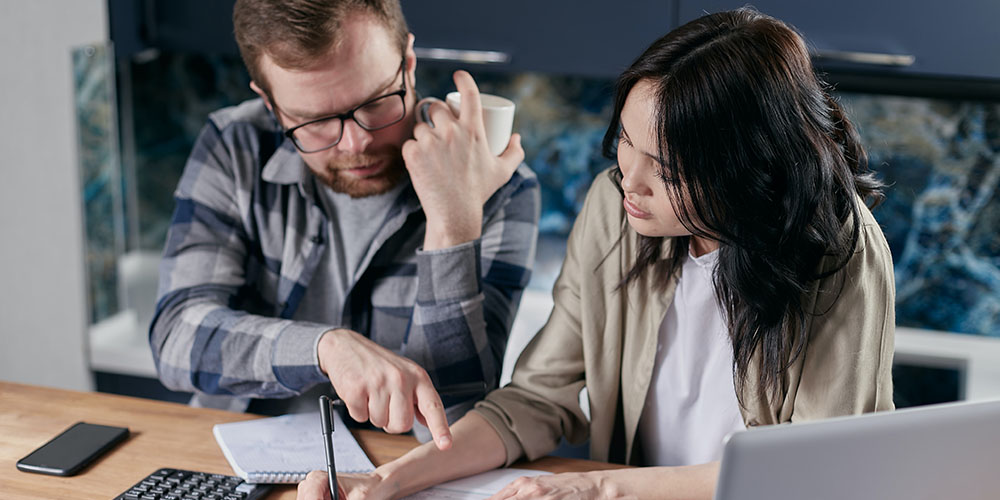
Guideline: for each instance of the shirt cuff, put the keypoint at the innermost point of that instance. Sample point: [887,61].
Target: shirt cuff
[295,358]
[449,274]
[512,446]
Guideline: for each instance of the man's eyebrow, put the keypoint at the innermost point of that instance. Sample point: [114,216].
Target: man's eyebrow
[312,115]
[655,158]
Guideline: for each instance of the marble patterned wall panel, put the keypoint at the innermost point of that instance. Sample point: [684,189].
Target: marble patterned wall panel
[97,135]
[942,210]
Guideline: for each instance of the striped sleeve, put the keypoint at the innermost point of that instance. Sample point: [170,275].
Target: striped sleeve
[467,295]
[200,340]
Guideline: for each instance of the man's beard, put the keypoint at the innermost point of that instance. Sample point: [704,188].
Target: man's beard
[335,177]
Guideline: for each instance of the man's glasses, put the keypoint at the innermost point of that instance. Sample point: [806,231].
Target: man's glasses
[324,133]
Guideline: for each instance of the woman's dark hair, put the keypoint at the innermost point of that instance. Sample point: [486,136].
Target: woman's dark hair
[758,156]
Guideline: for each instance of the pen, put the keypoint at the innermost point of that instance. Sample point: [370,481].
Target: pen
[327,422]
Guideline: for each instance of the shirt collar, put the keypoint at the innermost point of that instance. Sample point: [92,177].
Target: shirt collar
[285,166]
[706,261]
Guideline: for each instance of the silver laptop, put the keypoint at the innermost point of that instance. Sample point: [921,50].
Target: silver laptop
[949,451]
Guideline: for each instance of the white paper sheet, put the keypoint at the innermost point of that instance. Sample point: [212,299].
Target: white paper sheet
[475,487]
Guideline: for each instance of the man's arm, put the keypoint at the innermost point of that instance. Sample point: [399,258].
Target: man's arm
[200,340]
[468,295]
[471,271]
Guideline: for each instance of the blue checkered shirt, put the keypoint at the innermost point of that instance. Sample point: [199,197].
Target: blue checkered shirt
[246,238]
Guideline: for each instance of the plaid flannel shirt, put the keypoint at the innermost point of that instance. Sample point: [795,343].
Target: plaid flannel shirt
[246,238]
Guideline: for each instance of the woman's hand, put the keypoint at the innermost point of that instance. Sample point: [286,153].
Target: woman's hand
[583,486]
[370,486]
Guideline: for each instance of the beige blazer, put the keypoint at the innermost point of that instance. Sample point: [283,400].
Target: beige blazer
[605,339]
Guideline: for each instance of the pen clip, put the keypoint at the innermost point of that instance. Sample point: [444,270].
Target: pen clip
[325,409]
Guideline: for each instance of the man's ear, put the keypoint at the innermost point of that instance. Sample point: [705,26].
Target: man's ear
[260,92]
[411,60]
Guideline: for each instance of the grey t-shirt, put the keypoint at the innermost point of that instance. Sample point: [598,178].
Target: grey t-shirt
[353,223]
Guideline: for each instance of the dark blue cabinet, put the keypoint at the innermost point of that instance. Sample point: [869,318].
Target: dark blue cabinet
[958,39]
[579,37]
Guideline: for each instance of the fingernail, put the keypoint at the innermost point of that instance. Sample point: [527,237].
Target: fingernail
[443,442]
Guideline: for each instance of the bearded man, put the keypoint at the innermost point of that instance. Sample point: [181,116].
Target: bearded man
[325,241]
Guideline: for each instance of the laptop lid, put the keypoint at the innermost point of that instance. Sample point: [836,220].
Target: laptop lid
[932,452]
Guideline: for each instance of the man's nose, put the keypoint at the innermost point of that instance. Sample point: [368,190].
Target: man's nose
[355,138]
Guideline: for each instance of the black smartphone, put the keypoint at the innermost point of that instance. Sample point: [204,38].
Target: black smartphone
[71,451]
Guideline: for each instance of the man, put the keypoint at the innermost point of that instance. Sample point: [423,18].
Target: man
[323,237]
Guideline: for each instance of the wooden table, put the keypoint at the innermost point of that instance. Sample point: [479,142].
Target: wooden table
[163,435]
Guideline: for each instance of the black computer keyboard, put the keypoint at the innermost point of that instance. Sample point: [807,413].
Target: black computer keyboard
[175,484]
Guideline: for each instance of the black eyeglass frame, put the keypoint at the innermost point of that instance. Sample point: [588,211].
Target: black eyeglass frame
[290,133]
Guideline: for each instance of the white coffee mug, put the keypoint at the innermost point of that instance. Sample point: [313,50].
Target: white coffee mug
[498,118]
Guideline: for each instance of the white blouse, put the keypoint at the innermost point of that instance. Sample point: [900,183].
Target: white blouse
[691,404]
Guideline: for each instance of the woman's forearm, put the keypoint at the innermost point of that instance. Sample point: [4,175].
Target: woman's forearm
[687,482]
[476,447]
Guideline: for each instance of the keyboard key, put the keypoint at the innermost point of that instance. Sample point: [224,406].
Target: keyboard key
[245,488]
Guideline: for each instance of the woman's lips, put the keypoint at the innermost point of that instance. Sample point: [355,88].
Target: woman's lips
[635,211]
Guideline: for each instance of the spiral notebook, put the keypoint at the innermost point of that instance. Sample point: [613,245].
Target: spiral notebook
[284,449]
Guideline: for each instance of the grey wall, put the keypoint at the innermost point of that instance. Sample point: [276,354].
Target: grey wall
[42,302]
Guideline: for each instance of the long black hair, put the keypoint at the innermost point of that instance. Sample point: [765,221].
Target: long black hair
[771,169]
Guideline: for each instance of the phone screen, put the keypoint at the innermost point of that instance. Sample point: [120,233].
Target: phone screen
[70,451]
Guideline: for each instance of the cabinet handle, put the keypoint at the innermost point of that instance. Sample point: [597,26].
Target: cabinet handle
[460,55]
[870,58]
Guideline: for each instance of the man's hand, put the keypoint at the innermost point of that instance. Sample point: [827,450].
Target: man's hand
[381,387]
[452,169]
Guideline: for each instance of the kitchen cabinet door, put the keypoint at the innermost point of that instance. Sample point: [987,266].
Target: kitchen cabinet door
[908,37]
[580,37]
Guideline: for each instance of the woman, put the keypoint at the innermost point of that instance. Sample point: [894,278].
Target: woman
[726,274]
